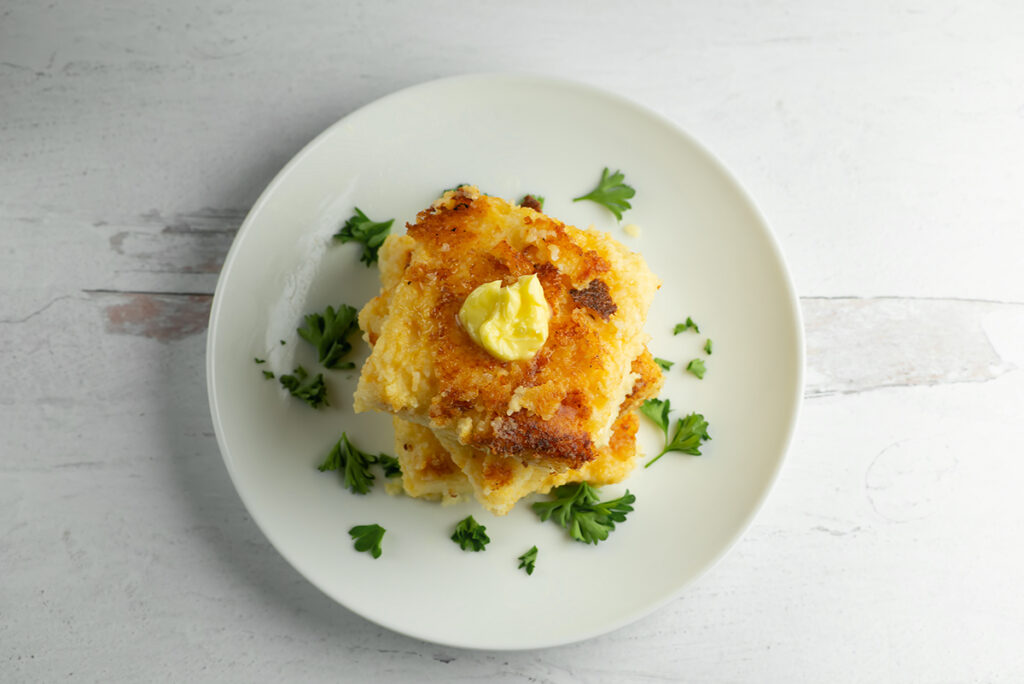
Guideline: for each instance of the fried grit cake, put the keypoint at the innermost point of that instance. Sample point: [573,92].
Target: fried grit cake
[556,409]
[436,468]
[427,470]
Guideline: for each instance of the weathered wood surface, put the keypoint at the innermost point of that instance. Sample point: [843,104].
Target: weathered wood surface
[883,143]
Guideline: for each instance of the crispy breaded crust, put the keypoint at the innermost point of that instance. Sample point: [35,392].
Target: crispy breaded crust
[647,381]
[557,408]
[498,482]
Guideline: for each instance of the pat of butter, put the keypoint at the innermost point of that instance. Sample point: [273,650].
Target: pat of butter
[511,323]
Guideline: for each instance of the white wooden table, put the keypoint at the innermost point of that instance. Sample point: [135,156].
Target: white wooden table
[884,142]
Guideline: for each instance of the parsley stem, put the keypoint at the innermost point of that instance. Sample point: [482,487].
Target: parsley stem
[651,462]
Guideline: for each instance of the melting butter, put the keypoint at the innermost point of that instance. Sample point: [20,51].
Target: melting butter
[511,323]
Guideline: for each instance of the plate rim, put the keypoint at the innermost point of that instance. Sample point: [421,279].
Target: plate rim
[518,78]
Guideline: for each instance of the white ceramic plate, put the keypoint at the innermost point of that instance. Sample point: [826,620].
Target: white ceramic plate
[510,135]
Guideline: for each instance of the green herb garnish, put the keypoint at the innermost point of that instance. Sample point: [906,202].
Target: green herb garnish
[370,234]
[658,410]
[329,333]
[367,538]
[683,327]
[611,193]
[690,432]
[310,390]
[528,560]
[707,347]
[576,508]
[390,464]
[353,463]
[665,365]
[266,374]
[470,535]
[696,367]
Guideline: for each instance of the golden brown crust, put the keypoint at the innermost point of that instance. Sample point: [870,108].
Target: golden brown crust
[524,432]
[555,408]
[595,296]
[531,202]
[649,380]
[499,481]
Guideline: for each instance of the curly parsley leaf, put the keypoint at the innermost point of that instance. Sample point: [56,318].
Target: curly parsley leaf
[707,347]
[310,390]
[329,333]
[658,410]
[367,538]
[664,364]
[528,560]
[697,368]
[576,508]
[369,233]
[683,327]
[690,432]
[390,465]
[471,535]
[611,193]
[353,464]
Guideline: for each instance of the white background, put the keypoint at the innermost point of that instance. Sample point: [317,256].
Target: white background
[884,143]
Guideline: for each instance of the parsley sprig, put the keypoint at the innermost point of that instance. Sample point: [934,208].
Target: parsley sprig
[658,410]
[683,327]
[329,333]
[470,535]
[369,233]
[353,463]
[367,538]
[690,431]
[528,560]
[611,193]
[390,464]
[665,364]
[310,389]
[696,366]
[577,508]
